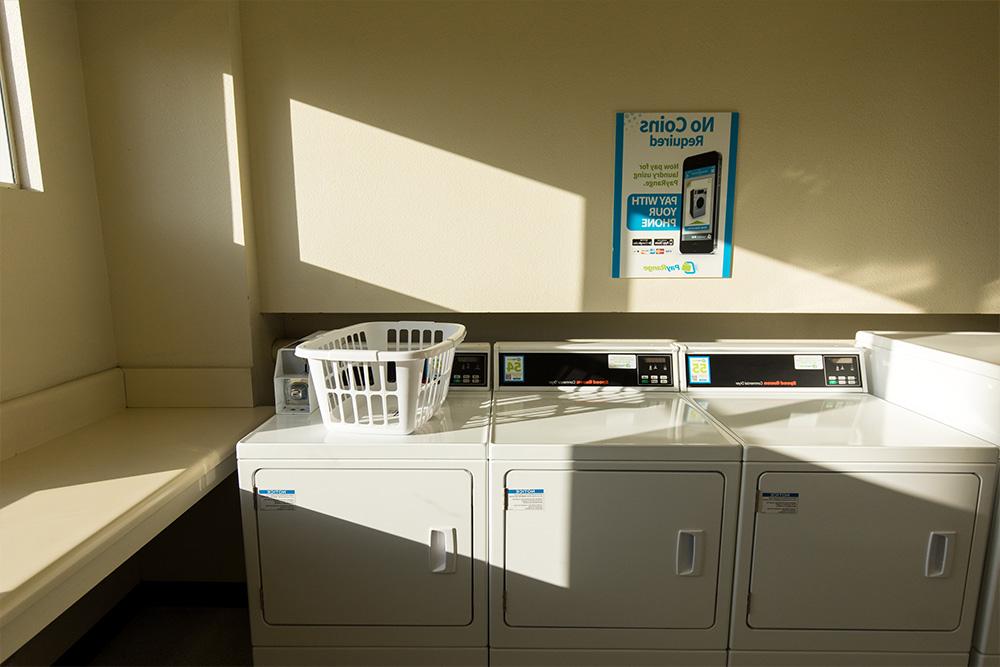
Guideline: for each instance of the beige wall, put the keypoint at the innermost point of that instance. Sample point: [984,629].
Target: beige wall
[163,103]
[438,156]
[55,311]
[263,329]
[476,140]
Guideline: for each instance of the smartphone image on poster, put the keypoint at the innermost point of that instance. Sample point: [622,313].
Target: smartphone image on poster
[700,198]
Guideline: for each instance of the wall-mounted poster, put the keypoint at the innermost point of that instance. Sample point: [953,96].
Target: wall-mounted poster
[674,179]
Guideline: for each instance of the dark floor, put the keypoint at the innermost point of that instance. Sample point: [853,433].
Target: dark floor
[170,624]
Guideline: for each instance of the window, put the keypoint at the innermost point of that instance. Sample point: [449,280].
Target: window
[8,174]
[19,161]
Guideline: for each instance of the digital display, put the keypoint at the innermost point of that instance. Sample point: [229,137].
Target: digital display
[656,360]
[843,371]
[699,202]
[466,362]
[469,370]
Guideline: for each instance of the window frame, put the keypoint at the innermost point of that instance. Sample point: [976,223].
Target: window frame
[7,126]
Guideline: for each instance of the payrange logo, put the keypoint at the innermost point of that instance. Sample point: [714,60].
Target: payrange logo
[689,268]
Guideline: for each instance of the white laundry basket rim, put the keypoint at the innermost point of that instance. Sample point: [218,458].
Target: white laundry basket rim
[313,348]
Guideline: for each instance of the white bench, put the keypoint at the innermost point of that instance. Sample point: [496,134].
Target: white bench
[75,507]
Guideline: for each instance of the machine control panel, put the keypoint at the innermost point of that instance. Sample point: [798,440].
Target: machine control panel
[773,370]
[842,371]
[655,370]
[586,369]
[470,369]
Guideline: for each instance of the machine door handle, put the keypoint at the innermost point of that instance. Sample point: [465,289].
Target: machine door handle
[441,550]
[689,553]
[940,552]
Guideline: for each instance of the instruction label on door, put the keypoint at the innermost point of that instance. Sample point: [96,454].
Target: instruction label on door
[525,499]
[771,502]
[275,499]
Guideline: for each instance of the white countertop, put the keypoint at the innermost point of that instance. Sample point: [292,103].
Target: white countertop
[64,502]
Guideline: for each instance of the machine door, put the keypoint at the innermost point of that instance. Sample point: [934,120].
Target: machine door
[861,551]
[365,547]
[612,549]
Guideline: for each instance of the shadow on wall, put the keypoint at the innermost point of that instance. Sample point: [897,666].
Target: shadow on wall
[491,327]
[478,137]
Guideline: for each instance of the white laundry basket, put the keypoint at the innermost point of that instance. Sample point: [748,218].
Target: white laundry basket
[382,377]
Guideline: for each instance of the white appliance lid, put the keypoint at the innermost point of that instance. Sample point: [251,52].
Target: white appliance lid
[459,430]
[843,427]
[605,424]
[974,351]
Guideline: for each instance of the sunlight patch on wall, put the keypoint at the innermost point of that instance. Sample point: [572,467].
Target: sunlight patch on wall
[989,300]
[233,156]
[436,226]
[767,281]
[907,280]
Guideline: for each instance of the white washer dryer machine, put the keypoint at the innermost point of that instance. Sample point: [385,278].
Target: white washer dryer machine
[862,524]
[612,510]
[967,368]
[370,549]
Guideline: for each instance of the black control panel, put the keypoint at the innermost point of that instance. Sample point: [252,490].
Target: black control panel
[585,369]
[773,371]
[842,371]
[655,370]
[469,369]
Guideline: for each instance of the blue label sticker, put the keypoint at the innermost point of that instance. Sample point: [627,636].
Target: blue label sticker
[778,502]
[520,500]
[276,499]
